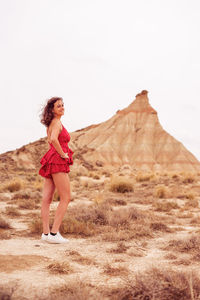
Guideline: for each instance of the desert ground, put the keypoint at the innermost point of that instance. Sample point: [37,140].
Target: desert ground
[132,235]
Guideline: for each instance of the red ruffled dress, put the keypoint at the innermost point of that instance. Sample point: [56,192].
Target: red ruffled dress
[52,162]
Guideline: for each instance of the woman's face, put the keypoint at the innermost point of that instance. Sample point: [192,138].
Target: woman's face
[58,108]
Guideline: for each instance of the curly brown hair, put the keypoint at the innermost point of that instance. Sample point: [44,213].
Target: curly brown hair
[47,113]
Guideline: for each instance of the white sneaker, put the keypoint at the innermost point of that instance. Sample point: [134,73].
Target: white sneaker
[56,239]
[44,237]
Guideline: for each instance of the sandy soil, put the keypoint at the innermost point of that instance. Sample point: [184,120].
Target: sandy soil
[24,258]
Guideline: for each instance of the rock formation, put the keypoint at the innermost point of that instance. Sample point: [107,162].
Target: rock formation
[135,137]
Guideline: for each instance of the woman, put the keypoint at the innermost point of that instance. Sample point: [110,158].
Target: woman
[55,166]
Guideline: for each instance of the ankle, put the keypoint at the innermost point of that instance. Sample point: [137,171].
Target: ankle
[53,233]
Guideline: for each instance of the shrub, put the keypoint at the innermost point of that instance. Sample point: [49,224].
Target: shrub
[189,178]
[175,176]
[190,195]
[4,224]
[189,244]
[121,185]
[73,226]
[106,173]
[14,185]
[94,214]
[162,284]
[161,191]
[59,268]
[96,176]
[35,226]
[144,177]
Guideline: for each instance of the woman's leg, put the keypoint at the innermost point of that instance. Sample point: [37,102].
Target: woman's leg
[47,196]
[62,183]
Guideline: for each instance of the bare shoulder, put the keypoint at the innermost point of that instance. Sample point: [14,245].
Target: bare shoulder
[56,125]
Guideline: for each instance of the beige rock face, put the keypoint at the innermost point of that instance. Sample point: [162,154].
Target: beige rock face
[135,137]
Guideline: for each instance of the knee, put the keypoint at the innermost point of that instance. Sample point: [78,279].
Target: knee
[47,199]
[66,198]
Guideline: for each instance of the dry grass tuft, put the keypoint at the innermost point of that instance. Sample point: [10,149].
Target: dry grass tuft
[188,245]
[189,178]
[13,186]
[184,262]
[77,257]
[193,203]
[161,284]
[99,198]
[38,184]
[75,290]
[112,224]
[35,226]
[160,227]
[60,268]
[144,177]
[7,291]
[120,248]
[165,206]
[121,185]
[94,175]
[175,176]
[117,271]
[189,195]
[4,235]
[4,224]
[136,231]
[73,226]
[106,173]
[21,195]
[87,182]
[94,214]
[116,202]
[27,204]
[12,211]
[161,192]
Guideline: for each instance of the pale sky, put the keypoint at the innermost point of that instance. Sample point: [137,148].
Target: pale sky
[97,55]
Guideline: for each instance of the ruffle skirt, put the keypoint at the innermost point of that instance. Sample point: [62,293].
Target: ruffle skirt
[53,163]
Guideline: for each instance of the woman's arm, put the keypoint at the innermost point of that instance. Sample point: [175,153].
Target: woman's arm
[54,139]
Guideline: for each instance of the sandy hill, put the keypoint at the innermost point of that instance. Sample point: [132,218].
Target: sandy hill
[133,137]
